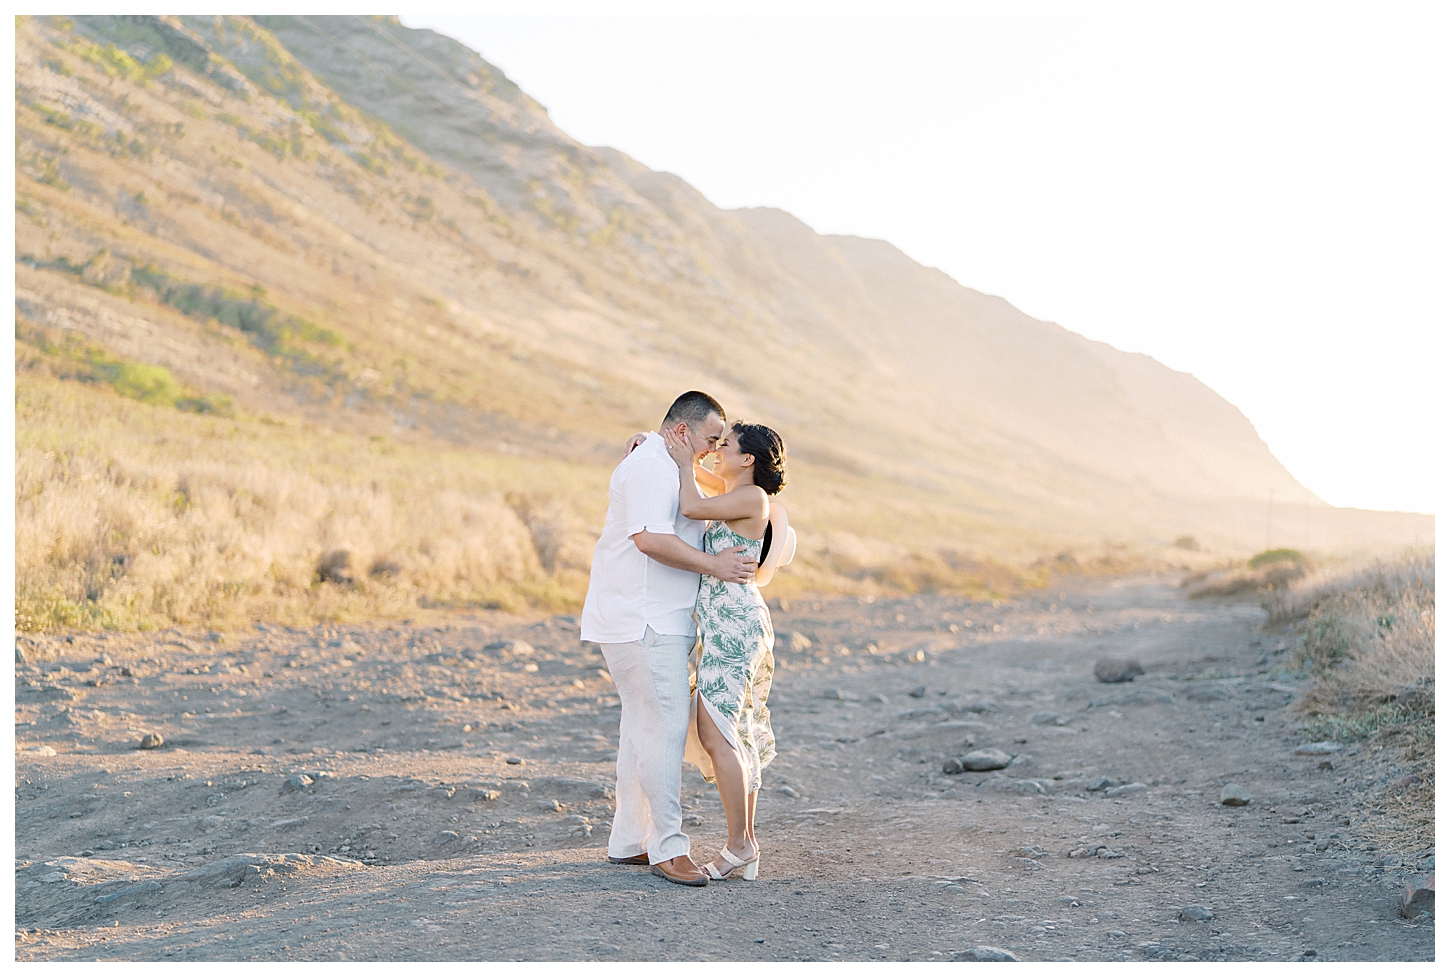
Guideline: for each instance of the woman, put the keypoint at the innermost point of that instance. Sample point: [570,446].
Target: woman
[730,735]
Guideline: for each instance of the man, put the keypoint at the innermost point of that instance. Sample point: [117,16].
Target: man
[640,609]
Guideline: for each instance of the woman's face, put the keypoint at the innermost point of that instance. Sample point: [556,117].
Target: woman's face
[728,457]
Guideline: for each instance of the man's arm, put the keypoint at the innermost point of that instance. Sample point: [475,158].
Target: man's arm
[669,549]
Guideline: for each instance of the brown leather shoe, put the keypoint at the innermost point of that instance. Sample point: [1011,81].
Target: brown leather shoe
[687,873]
[631,860]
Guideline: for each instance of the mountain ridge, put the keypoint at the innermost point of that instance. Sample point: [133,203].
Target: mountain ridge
[497,284]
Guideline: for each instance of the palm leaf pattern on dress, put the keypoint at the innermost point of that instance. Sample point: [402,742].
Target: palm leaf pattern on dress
[736,665]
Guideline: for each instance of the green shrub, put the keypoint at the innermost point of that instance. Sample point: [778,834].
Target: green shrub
[1350,728]
[1277,556]
[140,381]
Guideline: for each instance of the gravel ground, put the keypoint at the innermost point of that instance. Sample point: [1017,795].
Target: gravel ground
[444,792]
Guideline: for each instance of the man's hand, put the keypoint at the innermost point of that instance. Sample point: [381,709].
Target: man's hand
[669,549]
[731,567]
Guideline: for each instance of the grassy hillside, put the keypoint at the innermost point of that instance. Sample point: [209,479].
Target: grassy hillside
[347,285]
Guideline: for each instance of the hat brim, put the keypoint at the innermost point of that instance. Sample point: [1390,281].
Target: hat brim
[782,545]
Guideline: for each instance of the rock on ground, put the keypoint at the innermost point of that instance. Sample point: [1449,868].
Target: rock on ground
[989,759]
[986,954]
[1113,670]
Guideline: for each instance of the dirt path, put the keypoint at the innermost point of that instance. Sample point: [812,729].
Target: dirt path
[455,797]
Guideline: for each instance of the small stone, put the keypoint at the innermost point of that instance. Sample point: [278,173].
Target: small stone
[952,765]
[42,751]
[1326,764]
[1419,896]
[797,641]
[445,837]
[1234,795]
[985,760]
[918,692]
[515,761]
[1126,789]
[484,795]
[1068,901]
[152,741]
[511,649]
[1022,761]
[298,781]
[1031,851]
[19,655]
[879,698]
[839,695]
[986,954]
[1409,780]
[981,705]
[1112,670]
[1196,914]
[1318,749]
[1031,864]
[1100,783]
[550,806]
[1046,719]
[1117,935]
[790,792]
[1108,853]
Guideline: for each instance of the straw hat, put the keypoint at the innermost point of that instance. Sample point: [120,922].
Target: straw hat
[782,545]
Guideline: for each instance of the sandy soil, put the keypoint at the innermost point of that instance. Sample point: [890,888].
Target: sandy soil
[456,794]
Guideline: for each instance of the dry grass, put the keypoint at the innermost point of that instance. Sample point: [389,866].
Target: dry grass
[1408,826]
[1369,643]
[1266,573]
[1369,631]
[130,515]
[136,514]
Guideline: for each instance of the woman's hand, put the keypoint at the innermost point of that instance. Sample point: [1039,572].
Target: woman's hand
[634,442]
[679,450]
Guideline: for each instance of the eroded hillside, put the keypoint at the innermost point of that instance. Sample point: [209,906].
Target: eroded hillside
[369,231]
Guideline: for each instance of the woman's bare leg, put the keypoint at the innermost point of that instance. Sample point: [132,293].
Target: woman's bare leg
[730,781]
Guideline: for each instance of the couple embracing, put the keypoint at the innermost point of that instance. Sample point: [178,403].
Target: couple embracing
[684,551]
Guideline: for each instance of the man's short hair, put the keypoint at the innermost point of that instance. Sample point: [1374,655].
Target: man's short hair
[693,407]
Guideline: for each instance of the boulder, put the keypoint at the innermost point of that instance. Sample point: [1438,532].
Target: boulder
[1112,670]
[985,760]
[1234,795]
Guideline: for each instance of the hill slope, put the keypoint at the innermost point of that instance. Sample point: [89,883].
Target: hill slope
[340,221]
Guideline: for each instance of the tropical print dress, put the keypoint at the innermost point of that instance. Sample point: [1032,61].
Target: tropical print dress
[735,664]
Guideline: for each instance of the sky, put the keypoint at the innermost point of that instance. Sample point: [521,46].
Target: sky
[1250,199]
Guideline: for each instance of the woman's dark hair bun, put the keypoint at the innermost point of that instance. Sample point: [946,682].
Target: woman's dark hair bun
[769,452]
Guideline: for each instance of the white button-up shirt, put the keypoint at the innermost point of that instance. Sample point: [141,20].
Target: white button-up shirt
[628,591]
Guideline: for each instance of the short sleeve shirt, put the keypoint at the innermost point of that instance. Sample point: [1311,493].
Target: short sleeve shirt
[629,592]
